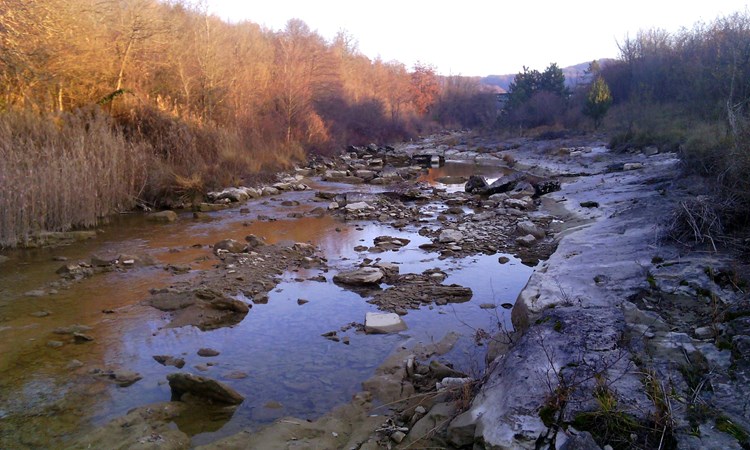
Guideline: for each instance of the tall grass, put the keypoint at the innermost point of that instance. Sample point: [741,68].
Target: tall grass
[65,170]
[70,169]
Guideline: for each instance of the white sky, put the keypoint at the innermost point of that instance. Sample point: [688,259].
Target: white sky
[472,37]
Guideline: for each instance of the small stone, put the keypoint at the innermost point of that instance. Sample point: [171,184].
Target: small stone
[487,306]
[125,378]
[35,293]
[74,364]
[507,305]
[526,241]
[398,436]
[704,333]
[632,166]
[503,260]
[166,360]
[54,344]
[345,340]
[40,314]
[80,338]
[208,352]
[302,301]
[96,261]
[383,323]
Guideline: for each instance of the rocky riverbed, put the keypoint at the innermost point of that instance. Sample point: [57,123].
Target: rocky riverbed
[271,318]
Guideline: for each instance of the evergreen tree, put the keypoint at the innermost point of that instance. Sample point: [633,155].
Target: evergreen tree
[598,101]
[553,80]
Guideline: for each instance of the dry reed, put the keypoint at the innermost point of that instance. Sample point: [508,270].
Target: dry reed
[63,171]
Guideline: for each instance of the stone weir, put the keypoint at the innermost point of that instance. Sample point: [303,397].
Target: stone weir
[621,334]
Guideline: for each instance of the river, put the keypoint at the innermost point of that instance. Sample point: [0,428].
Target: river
[50,393]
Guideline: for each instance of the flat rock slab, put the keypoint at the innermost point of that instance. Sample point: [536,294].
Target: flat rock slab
[203,387]
[383,323]
[413,295]
[361,276]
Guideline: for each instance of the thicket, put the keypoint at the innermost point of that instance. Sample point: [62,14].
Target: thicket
[687,91]
[201,101]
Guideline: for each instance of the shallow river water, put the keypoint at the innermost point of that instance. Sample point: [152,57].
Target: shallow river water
[47,394]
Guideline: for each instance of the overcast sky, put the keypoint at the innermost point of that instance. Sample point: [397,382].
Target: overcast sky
[472,37]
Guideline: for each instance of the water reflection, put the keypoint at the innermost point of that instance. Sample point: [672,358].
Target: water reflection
[275,356]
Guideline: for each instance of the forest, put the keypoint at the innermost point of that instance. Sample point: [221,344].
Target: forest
[105,104]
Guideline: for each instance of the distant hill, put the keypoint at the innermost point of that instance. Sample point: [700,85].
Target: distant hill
[573,75]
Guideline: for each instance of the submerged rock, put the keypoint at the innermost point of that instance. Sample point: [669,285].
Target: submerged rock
[166,360]
[146,427]
[204,308]
[122,378]
[208,352]
[162,216]
[204,388]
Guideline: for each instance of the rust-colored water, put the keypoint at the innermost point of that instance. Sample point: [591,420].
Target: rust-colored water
[48,394]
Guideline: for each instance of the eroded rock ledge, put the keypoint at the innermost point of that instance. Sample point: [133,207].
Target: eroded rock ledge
[609,346]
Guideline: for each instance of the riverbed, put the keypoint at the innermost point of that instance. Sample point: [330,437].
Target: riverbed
[50,393]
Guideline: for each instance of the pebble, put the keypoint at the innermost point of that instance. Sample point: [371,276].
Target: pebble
[398,436]
[208,352]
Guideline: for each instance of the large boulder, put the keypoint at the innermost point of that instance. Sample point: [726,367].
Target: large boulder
[203,388]
[232,194]
[361,276]
[504,184]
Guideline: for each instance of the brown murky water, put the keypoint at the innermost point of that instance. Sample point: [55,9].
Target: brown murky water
[48,394]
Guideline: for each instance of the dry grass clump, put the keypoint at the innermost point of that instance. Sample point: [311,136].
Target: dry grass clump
[64,170]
